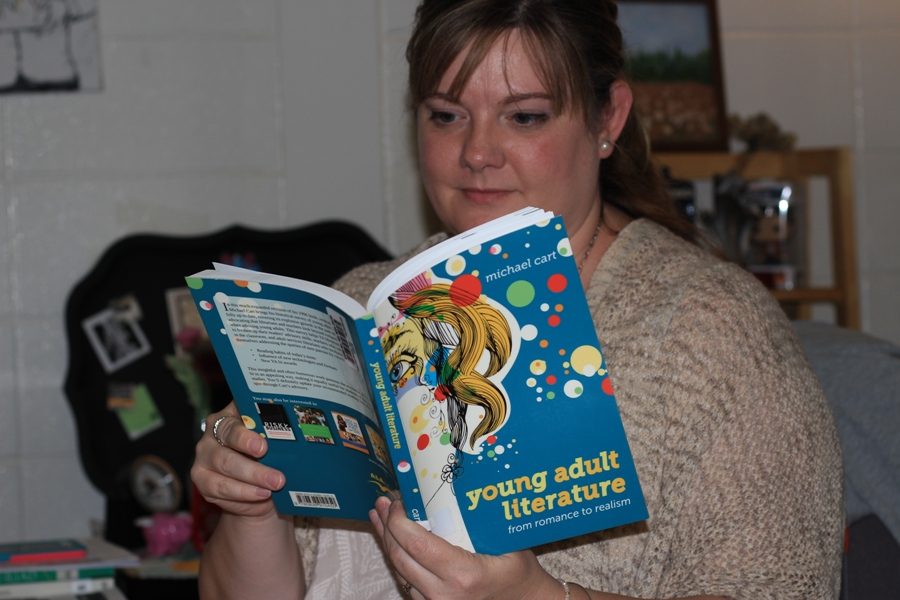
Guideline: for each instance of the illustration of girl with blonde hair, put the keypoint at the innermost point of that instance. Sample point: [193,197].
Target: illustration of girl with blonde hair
[446,354]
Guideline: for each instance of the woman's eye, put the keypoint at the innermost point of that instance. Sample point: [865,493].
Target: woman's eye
[399,370]
[442,117]
[528,119]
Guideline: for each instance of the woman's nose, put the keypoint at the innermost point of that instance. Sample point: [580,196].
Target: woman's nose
[482,148]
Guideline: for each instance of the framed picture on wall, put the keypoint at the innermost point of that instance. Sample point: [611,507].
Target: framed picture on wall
[674,63]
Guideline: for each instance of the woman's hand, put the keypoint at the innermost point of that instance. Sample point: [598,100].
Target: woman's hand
[437,569]
[228,474]
[252,552]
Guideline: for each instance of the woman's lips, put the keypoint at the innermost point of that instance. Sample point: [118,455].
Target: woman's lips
[484,196]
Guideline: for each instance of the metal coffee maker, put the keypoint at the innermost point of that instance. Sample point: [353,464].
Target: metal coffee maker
[771,242]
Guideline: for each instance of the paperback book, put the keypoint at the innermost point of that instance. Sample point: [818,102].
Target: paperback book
[472,383]
[55,589]
[62,568]
[42,551]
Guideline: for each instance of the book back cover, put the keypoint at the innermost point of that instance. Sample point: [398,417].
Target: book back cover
[290,359]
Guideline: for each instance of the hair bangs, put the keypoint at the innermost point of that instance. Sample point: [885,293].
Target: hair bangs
[553,60]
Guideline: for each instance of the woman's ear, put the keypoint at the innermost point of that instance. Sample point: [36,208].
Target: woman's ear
[614,117]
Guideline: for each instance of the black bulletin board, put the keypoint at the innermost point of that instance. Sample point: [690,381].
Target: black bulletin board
[142,268]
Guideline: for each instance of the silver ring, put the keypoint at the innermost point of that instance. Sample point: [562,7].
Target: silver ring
[406,587]
[216,429]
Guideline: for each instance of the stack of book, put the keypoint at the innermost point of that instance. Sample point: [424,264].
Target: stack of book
[61,569]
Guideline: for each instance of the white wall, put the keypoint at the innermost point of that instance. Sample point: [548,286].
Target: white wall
[282,112]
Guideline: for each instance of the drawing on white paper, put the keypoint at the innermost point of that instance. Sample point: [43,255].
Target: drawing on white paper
[49,46]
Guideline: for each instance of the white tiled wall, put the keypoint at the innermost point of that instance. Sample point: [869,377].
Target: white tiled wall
[9,409]
[398,139]
[175,101]
[278,112]
[330,54]
[801,79]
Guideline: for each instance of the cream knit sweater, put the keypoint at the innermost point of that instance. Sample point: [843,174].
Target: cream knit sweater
[733,442]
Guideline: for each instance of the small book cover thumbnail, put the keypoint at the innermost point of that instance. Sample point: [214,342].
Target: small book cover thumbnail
[313,425]
[275,421]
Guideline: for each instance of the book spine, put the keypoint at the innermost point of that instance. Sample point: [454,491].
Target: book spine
[21,553]
[48,589]
[386,407]
[60,574]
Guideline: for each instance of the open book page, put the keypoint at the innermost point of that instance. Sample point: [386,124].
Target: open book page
[291,357]
[453,246]
[342,301]
[503,396]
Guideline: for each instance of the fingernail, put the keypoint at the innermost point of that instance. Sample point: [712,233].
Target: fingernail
[263,493]
[257,446]
[274,481]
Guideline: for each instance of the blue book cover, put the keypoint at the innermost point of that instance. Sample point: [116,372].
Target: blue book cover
[473,382]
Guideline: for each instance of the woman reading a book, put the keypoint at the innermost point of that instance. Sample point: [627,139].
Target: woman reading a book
[523,103]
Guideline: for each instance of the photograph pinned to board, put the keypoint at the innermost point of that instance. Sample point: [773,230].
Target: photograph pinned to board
[134,406]
[674,64]
[116,338]
[184,320]
[49,46]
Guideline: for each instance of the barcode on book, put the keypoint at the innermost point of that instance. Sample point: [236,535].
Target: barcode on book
[340,330]
[314,500]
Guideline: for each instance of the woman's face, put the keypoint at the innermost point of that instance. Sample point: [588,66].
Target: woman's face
[500,146]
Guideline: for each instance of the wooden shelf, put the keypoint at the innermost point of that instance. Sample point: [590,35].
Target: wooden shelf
[835,165]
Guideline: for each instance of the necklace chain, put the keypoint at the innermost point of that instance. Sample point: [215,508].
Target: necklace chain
[590,244]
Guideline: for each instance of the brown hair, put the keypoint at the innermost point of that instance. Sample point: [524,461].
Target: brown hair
[576,47]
